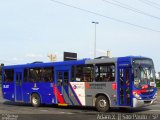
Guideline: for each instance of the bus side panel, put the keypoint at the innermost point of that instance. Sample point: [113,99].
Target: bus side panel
[94,88]
[8,91]
[44,90]
[77,93]
[27,91]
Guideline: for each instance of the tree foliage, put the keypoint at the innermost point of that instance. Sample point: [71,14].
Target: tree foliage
[158,83]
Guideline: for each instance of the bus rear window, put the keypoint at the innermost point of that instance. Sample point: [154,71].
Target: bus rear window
[8,75]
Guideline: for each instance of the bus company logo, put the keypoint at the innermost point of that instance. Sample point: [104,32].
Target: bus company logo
[35,87]
[74,87]
[5,86]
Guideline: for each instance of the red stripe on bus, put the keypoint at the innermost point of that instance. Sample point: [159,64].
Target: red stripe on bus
[58,95]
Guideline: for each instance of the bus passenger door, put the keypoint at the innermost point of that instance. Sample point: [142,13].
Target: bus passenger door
[124,88]
[18,85]
[62,83]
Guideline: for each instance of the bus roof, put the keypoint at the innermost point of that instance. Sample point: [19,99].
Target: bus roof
[41,64]
[71,62]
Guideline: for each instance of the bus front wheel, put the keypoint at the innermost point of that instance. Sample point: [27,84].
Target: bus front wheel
[35,100]
[102,104]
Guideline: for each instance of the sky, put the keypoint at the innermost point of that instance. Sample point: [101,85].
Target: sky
[32,29]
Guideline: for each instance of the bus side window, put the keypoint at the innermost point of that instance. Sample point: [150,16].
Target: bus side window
[48,74]
[39,74]
[66,78]
[88,73]
[79,71]
[32,75]
[105,73]
[73,73]
[84,73]
[9,75]
[60,77]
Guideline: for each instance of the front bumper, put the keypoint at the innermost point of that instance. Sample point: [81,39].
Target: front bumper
[141,103]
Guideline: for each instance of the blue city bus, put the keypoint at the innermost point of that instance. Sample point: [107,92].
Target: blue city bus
[102,83]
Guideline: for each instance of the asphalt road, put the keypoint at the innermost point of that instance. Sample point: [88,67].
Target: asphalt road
[20,111]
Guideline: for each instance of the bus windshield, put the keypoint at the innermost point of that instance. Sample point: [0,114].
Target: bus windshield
[144,73]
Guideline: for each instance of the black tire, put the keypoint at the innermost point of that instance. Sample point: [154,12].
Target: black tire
[102,104]
[35,100]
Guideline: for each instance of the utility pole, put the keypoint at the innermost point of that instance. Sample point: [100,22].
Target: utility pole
[95,38]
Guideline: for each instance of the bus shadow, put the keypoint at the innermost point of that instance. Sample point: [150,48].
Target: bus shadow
[16,103]
[128,110]
[79,109]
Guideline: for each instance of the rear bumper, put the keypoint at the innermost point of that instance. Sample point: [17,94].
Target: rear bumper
[141,103]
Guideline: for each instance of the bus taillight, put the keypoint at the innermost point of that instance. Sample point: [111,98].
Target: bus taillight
[114,86]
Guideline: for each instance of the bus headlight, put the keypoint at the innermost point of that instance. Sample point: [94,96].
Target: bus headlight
[137,96]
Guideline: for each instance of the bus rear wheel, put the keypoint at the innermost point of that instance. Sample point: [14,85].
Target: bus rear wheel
[102,104]
[35,100]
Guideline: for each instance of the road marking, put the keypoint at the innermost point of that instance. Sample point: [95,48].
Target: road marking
[62,112]
[44,110]
[66,113]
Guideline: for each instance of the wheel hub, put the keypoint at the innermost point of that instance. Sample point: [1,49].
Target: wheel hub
[102,103]
[35,100]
